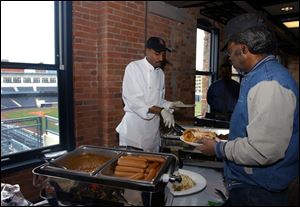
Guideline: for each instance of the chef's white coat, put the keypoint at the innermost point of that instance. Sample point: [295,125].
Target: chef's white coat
[143,87]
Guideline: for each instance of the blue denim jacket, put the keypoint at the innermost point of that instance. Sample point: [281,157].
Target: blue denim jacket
[277,176]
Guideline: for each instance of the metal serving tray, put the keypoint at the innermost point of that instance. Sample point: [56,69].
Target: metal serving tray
[168,167]
[102,174]
[83,160]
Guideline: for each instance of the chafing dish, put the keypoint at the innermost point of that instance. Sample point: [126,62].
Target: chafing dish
[100,186]
[84,160]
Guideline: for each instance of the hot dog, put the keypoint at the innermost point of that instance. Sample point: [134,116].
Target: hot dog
[148,169]
[129,169]
[132,157]
[154,165]
[137,176]
[133,163]
[123,174]
[153,158]
[151,174]
[158,167]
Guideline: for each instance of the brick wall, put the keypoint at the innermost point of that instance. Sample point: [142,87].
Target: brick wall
[179,75]
[85,70]
[107,35]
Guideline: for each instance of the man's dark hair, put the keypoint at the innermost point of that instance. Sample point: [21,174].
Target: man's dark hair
[225,71]
[259,40]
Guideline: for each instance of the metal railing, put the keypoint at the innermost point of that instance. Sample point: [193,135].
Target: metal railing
[51,125]
[26,133]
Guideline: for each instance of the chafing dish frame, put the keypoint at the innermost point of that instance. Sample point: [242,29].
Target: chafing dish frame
[98,178]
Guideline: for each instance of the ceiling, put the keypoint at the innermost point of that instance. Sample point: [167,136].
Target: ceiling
[222,11]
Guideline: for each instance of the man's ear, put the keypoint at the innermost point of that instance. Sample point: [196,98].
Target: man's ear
[244,49]
[147,50]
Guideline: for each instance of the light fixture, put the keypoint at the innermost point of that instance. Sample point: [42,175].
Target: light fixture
[286,8]
[291,24]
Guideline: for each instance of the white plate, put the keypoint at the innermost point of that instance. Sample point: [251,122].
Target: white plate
[195,144]
[196,177]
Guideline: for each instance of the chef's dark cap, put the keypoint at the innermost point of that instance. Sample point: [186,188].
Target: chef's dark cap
[240,24]
[157,44]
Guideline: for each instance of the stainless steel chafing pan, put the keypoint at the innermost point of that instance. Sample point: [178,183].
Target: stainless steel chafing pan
[75,186]
[164,174]
[85,159]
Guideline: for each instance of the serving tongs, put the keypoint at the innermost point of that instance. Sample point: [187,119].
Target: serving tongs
[179,129]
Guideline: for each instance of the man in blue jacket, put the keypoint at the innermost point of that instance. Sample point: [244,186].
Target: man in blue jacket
[261,156]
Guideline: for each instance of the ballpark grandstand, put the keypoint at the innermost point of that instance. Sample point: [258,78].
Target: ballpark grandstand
[29,110]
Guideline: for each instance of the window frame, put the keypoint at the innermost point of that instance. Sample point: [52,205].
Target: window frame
[63,66]
[214,55]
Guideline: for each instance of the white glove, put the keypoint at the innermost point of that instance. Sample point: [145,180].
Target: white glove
[168,118]
[176,104]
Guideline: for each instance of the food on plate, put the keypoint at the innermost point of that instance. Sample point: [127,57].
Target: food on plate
[185,184]
[193,135]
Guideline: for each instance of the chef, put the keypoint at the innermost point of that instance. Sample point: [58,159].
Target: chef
[143,93]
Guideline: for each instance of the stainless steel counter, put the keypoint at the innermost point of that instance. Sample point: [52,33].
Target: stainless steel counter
[214,178]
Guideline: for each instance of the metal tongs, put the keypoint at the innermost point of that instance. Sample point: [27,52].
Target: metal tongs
[179,129]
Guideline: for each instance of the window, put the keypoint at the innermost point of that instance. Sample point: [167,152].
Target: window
[7,80]
[236,75]
[52,80]
[36,80]
[16,79]
[45,80]
[206,62]
[36,117]
[26,80]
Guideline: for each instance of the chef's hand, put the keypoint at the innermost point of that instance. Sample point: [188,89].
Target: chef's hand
[207,147]
[168,118]
[176,104]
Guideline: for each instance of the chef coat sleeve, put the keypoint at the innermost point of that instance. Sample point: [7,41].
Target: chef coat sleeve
[271,113]
[133,94]
[166,104]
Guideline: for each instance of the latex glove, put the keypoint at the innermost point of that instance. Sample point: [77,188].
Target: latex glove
[168,118]
[176,104]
